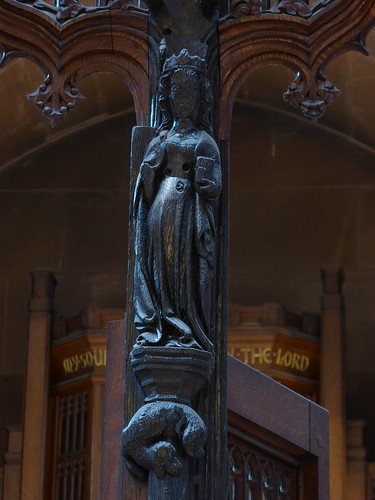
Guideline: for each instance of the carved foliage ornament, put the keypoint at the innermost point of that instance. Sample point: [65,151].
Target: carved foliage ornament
[298,8]
[292,7]
[69,9]
[53,100]
[312,102]
[240,8]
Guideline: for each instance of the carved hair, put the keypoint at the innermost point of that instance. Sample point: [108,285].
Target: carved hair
[204,114]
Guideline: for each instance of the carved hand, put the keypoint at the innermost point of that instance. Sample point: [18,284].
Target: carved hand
[147,442]
[204,175]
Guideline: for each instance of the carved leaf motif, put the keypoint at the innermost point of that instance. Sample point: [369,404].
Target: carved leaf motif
[40,5]
[292,7]
[55,101]
[69,9]
[239,8]
[312,101]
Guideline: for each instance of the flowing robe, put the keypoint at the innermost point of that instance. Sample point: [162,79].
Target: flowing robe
[178,183]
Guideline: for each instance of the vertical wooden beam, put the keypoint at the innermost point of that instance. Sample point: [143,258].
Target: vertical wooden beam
[12,465]
[97,397]
[356,485]
[114,395]
[333,375]
[37,385]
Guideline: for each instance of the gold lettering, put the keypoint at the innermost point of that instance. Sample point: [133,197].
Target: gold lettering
[288,359]
[256,355]
[246,351]
[231,351]
[82,359]
[68,365]
[267,355]
[305,361]
[278,357]
[100,362]
[89,358]
[75,362]
[295,361]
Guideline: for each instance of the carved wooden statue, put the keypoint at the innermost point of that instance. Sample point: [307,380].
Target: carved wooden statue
[175,197]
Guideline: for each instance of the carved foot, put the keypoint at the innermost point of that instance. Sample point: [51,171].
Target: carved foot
[153,438]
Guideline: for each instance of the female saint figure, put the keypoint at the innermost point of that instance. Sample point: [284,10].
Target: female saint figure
[178,183]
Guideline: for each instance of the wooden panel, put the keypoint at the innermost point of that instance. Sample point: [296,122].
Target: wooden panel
[284,425]
[266,403]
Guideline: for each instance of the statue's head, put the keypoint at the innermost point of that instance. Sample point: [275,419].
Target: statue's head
[185,91]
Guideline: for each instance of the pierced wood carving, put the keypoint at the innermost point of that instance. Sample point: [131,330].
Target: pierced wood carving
[305,40]
[68,46]
[54,101]
[254,474]
[313,100]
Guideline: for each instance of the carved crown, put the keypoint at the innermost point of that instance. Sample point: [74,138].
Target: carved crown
[185,61]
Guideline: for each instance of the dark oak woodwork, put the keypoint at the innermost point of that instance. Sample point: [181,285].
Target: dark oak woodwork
[64,52]
[305,45]
[69,41]
[264,418]
[276,421]
[303,37]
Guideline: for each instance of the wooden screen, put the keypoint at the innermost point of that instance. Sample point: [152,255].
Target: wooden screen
[71,458]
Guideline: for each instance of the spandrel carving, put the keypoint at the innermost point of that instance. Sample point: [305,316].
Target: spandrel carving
[178,183]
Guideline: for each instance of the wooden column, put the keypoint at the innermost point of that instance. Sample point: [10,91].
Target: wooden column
[113,413]
[356,484]
[37,377]
[12,465]
[333,375]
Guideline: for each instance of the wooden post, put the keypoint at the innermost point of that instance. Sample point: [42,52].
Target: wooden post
[12,465]
[113,414]
[37,385]
[356,484]
[333,375]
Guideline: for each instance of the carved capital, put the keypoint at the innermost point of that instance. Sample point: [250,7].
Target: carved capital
[171,373]
[311,99]
[54,97]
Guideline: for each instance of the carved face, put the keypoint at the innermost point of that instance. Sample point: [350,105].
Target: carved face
[185,94]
